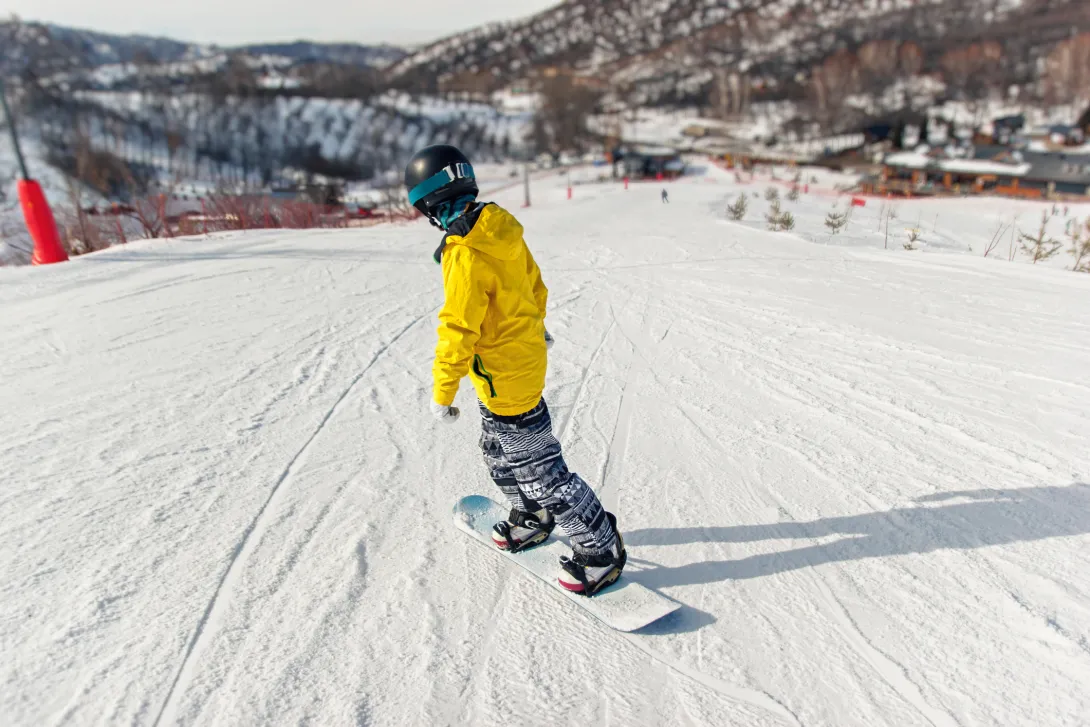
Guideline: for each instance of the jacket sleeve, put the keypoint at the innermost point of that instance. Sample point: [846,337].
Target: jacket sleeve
[541,293]
[465,288]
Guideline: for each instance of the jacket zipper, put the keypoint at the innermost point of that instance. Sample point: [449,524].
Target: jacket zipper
[479,369]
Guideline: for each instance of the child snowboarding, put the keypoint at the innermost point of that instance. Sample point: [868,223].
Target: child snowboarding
[492,328]
[665,196]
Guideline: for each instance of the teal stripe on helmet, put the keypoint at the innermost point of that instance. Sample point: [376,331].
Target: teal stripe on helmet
[439,180]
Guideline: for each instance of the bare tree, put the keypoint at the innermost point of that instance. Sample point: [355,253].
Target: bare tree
[730,93]
[1067,71]
[909,59]
[994,242]
[831,84]
[561,122]
[972,72]
[878,64]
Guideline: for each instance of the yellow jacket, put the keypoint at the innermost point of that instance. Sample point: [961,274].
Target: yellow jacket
[492,324]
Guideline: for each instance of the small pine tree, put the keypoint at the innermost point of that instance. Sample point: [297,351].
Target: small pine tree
[737,211]
[1039,246]
[1080,246]
[836,220]
[787,222]
[772,217]
[798,178]
[772,194]
[793,195]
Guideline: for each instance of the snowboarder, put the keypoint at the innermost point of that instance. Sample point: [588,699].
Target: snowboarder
[492,327]
[665,196]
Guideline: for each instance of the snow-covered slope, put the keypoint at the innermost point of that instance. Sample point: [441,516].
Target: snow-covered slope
[864,474]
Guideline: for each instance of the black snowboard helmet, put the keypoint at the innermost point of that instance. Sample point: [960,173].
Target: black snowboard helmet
[436,175]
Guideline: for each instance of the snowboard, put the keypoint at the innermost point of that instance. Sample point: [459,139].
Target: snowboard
[624,605]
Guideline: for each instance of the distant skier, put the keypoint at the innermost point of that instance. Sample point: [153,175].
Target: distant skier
[665,196]
[492,325]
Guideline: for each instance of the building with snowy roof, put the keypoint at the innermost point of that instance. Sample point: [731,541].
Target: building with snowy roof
[995,169]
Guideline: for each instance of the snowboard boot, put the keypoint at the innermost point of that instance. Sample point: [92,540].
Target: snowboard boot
[522,530]
[587,574]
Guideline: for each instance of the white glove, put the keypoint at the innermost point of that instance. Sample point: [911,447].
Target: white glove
[548,340]
[445,414]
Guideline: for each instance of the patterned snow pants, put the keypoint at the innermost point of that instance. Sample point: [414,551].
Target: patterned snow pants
[524,459]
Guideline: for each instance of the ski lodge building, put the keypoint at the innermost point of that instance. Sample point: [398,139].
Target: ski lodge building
[985,169]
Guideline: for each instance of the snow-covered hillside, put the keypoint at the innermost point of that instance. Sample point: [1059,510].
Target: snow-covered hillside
[122,57]
[668,52]
[863,473]
[264,139]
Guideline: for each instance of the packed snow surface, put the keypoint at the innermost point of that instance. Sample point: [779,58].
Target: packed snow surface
[863,473]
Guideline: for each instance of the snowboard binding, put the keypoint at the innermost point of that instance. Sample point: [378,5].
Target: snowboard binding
[523,530]
[588,574]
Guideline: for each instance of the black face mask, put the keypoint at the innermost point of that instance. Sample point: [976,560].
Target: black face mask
[460,226]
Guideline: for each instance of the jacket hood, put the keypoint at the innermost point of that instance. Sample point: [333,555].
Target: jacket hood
[496,233]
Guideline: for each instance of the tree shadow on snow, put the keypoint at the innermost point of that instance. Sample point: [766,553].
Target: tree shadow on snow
[953,520]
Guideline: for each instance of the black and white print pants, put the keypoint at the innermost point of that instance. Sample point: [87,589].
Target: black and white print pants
[524,459]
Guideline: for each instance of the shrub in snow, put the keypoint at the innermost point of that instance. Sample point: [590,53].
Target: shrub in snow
[891,215]
[835,221]
[1039,246]
[779,220]
[737,211]
[793,195]
[772,217]
[913,237]
[1080,245]
[772,194]
[994,242]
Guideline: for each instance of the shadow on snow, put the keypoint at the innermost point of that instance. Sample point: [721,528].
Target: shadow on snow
[946,521]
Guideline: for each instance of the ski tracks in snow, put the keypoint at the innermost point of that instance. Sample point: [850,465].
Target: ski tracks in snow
[759,700]
[211,619]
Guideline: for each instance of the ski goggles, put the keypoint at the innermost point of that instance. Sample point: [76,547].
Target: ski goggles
[439,180]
